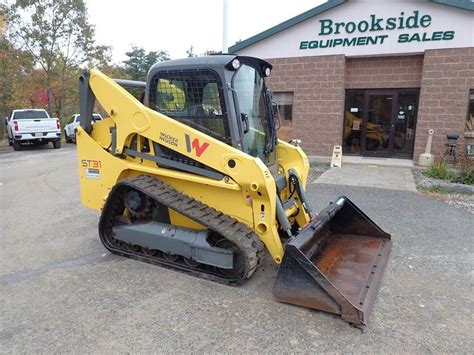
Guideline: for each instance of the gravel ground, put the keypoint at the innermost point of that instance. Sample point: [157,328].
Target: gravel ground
[317,169]
[62,292]
[457,195]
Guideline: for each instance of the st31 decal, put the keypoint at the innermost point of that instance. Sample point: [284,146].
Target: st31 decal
[91,168]
[194,144]
[96,164]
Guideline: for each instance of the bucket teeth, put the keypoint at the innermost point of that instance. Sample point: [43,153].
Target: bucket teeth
[335,264]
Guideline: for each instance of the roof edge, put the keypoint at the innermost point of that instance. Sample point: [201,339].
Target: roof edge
[286,24]
[330,4]
[460,4]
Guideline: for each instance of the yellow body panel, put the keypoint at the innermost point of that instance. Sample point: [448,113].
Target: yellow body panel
[247,192]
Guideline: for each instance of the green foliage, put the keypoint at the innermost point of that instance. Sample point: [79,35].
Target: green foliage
[44,44]
[58,36]
[464,174]
[439,170]
[139,62]
[16,66]
[464,177]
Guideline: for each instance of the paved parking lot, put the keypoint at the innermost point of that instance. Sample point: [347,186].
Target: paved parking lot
[62,292]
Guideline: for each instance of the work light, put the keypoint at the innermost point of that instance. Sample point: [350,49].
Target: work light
[236,64]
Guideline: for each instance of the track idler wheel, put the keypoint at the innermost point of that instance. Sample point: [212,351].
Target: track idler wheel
[190,262]
[149,252]
[137,204]
[170,257]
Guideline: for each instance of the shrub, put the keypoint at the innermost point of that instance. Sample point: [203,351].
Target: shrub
[466,172]
[464,177]
[439,170]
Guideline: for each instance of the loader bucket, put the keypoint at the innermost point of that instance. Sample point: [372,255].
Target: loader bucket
[335,264]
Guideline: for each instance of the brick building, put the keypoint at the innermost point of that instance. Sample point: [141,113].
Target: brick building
[373,76]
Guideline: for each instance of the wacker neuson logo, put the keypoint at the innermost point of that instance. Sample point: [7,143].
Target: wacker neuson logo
[373,25]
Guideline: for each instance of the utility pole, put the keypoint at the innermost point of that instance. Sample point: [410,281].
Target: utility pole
[225,25]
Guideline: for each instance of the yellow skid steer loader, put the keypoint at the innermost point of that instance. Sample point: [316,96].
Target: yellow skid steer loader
[192,177]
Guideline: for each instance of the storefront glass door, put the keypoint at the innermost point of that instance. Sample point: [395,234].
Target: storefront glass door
[378,127]
[405,122]
[380,123]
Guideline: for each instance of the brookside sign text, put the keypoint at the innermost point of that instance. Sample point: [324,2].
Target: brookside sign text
[373,25]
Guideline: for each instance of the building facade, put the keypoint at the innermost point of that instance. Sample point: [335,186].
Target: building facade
[373,76]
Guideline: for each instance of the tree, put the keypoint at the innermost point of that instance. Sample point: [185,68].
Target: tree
[139,62]
[57,34]
[16,66]
[190,52]
[210,52]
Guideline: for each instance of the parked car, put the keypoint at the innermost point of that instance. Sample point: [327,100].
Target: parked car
[70,129]
[32,126]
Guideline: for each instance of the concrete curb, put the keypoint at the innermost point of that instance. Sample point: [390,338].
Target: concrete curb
[451,187]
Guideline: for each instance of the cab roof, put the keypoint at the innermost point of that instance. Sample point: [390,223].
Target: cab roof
[206,62]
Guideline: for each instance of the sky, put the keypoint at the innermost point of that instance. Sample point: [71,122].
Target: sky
[175,25]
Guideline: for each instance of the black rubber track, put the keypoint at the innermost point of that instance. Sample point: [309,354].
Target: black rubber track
[241,237]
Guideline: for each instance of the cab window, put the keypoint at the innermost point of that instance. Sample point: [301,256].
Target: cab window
[193,97]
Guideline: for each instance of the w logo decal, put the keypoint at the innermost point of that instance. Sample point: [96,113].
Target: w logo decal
[199,148]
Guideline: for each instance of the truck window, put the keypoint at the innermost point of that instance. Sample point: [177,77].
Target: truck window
[95,117]
[30,115]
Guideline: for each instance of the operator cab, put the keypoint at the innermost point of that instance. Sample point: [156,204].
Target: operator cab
[223,96]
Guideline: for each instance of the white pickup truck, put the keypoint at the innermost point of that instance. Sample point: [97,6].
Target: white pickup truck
[32,126]
[74,122]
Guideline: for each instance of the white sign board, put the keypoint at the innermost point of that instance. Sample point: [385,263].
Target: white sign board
[371,27]
[336,160]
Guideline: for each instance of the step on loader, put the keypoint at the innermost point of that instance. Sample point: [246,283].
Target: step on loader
[191,176]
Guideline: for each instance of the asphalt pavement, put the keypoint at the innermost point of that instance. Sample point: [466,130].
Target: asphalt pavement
[61,291]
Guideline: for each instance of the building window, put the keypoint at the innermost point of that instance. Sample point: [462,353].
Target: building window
[470,113]
[284,104]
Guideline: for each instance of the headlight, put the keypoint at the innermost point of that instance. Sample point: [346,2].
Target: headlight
[236,64]
[267,71]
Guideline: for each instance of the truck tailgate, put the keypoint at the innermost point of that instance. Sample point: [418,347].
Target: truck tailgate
[37,125]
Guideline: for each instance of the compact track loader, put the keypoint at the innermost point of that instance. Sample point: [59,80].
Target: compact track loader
[192,177]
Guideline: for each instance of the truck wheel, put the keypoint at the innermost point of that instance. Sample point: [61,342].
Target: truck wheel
[68,140]
[16,145]
[57,144]
[10,142]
